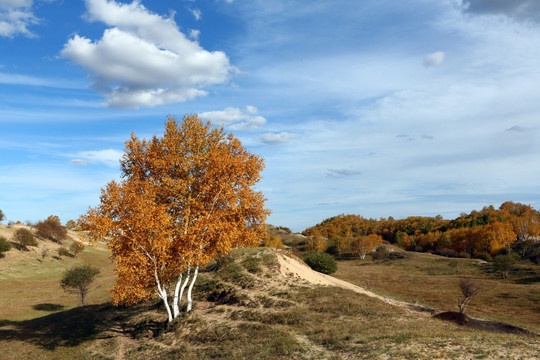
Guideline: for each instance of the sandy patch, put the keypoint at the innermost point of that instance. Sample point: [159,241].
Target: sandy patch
[291,266]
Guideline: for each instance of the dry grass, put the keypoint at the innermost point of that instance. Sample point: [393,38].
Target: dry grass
[30,282]
[263,316]
[429,280]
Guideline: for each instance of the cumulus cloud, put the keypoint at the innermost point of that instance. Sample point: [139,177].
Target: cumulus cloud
[15,18]
[279,138]
[108,157]
[520,9]
[342,172]
[143,59]
[235,118]
[434,59]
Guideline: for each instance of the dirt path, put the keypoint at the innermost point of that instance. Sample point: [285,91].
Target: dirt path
[291,266]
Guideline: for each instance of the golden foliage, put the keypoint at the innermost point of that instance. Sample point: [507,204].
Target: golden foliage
[361,245]
[273,242]
[183,199]
[316,243]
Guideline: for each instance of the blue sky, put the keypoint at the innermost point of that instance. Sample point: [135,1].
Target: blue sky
[373,107]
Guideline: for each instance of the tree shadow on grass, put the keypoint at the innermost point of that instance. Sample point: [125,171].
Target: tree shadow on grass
[528,280]
[75,326]
[48,307]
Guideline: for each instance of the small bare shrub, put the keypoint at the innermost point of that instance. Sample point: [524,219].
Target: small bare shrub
[469,289]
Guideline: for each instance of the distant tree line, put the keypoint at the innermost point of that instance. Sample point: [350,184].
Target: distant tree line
[513,227]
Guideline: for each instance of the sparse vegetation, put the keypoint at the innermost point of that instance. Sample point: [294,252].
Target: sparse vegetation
[321,262]
[78,279]
[25,238]
[273,317]
[51,229]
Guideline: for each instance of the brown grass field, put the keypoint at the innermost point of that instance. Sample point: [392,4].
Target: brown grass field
[429,280]
[247,309]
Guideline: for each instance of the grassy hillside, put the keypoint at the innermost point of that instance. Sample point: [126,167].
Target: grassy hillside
[247,309]
[30,280]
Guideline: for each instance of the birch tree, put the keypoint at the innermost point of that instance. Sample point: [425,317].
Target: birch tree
[183,199]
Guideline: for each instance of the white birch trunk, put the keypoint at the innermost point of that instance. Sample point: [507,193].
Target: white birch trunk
[176,300]
[189,300]
[162,293]
[182,288]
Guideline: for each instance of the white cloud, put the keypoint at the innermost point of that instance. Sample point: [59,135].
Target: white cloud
[235,118]
[15,18]
[194,34]
[78,162]
[342,172]
[108,157]
[196,13]
[143,59]
[279,138]
[434,59]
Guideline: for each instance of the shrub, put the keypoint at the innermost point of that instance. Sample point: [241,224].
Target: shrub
[4,245]
[2,216]
[381,253]
[25,238]
[62,251]
[332,250]
[449,253]
[484,256]
[71,225]
[76,248]
[78,279]
[321,262]
[504,263]
[469,289]
[51,229]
